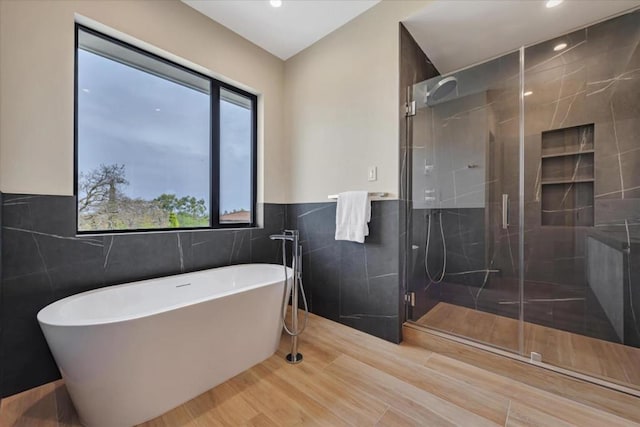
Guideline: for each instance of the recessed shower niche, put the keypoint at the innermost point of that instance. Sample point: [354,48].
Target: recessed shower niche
[567,176]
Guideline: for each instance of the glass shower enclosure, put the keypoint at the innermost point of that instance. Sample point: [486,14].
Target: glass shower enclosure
[524,202]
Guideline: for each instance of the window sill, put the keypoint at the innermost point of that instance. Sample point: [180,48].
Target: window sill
[181,230]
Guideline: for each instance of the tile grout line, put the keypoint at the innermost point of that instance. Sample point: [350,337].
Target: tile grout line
[186,407]
[55,402]
[383,414]
[427,359]
[506,421]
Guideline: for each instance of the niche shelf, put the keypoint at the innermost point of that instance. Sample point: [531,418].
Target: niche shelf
[570,153]
[567,176]
[566,181]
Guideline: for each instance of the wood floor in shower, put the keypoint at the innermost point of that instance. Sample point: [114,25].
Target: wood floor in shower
[608,360]
[349,378]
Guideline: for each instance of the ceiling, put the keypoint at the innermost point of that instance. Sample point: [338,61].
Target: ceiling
[458,33]
[453,33]
[286,30]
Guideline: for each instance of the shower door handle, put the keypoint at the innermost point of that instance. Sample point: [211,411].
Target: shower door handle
[505,211]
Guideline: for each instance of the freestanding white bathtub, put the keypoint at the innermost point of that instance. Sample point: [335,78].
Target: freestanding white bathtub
[131,352]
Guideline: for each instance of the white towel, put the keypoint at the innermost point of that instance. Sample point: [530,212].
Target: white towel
[352,216]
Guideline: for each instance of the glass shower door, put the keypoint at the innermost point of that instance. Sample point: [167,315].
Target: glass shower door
[463,252]
[582,198]
[524,202]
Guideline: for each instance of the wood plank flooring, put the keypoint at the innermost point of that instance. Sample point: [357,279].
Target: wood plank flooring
[349,378]
[607,360]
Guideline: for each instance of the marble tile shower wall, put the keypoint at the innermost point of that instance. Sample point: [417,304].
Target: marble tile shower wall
[595,81]
[44,261]
[464,240]
[466,254]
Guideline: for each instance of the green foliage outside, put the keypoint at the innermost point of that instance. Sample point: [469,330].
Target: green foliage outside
[173,220]
[188,211]
[102,205]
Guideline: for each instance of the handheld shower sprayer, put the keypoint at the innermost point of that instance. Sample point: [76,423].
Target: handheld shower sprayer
[296,265]
[444,250]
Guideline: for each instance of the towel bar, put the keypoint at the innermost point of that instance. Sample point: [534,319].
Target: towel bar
[371,195]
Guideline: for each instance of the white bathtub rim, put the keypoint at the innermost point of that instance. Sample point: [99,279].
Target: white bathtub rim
[49,316]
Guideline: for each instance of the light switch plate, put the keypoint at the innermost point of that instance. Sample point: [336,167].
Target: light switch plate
[373,173]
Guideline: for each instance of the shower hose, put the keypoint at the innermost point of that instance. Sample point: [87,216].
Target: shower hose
[285,296]
[444,249]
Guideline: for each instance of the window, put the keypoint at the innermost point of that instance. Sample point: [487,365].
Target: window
[158,146]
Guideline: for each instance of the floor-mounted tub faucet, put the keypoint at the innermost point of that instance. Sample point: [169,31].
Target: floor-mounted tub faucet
[296,265]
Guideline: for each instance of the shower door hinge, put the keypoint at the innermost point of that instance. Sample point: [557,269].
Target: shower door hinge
[410,109]
[410,298]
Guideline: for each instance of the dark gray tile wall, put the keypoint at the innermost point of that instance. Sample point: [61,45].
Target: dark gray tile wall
[415,67]
[594,81]
[605,273]
[351,283]
[44,261]
[464,240]
[615,278]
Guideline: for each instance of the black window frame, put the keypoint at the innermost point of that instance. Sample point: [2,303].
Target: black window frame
[214,141]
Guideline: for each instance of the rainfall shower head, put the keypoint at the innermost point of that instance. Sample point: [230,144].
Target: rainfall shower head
[441,89]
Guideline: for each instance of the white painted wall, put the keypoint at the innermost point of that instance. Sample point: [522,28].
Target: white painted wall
[328,113]
[36,82]
[341,106]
